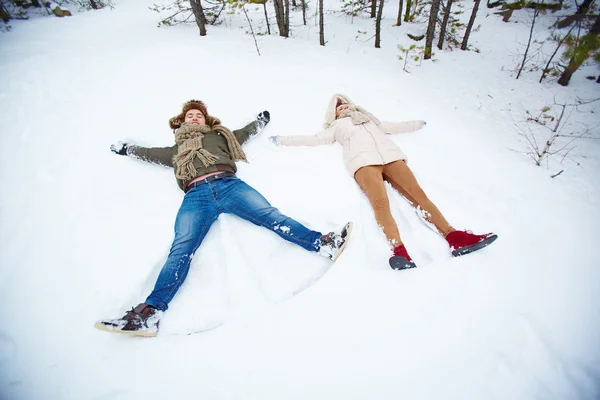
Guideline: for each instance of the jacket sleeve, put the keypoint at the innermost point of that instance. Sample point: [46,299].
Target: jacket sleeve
[324,137]
[401,127]
[155,155]
[248,132]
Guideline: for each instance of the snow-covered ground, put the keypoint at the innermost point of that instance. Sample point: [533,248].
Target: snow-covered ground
[84,232]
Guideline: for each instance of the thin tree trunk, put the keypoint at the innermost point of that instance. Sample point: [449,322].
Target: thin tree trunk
[435,8]
[545,71]
[287,17]
[251,29]
[321,24]
[304,11]
[552,138]
[444,24]
[588,44]
[407,12]
[280,17]
[582,10]
[470,25]
[399,20]
[373,8]
[199,15]
[267,18]
[536,12]
[378,25]
[4,14]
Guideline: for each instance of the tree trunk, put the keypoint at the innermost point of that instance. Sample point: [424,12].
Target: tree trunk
[536,12]
[444,24]
[378,25]
[4,14]
[280,17]
[582,10]
[321,24]
[589,43]
[470,25]
[407,12]
[435,8]
[267,18]
[373,8]
[287,17]
[199,15]
[304,11]
[399,20]
[547,68]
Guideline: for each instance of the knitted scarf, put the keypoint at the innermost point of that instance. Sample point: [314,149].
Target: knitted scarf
[358,117]
[189,146]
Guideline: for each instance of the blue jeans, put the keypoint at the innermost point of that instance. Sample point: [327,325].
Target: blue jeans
[200,208]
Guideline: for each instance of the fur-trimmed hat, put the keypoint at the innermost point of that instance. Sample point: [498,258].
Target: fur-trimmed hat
[338,99]
[176,121]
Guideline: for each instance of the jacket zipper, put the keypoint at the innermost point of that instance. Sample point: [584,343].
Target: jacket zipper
[374,141]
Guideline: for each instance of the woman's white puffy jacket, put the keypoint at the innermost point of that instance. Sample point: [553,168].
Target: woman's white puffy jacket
[365,144]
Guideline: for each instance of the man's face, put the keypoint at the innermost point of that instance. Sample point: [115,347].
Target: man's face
[195,117]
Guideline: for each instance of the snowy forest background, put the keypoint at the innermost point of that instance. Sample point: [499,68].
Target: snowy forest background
[511,145]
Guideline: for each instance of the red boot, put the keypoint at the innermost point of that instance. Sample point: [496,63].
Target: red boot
[401,259]
[465,242]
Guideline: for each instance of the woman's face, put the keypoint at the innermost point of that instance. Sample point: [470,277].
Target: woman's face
[340,110]
[195,117]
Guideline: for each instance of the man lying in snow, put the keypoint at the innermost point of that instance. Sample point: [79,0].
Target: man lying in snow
[203,157]
[372,157]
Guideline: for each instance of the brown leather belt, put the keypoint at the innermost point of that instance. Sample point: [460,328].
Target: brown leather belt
[210,179]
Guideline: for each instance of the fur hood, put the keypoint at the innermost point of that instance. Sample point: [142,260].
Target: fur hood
[177,121]
[338,99]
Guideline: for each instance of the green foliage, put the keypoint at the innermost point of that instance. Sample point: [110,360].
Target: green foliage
[22,9]
[180,12]
[580,49]
[354,8]
[543,7]
[418,10]
[543,118]
[412,54]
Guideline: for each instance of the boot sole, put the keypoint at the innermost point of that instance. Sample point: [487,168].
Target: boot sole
[474,247]
[105,328]
[399,262]
[348,229]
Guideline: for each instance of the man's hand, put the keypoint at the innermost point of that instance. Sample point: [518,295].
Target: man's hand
[263,118]
[120,148]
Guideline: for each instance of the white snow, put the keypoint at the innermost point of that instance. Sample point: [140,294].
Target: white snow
[84,232]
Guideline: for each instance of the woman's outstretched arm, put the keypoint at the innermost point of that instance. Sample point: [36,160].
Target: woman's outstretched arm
[401,127]
[324,137]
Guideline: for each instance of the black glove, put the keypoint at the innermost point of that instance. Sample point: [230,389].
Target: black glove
[120,148]
[264,118]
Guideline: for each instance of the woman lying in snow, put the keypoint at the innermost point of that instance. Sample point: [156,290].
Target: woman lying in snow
[372,157]
[204,156]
